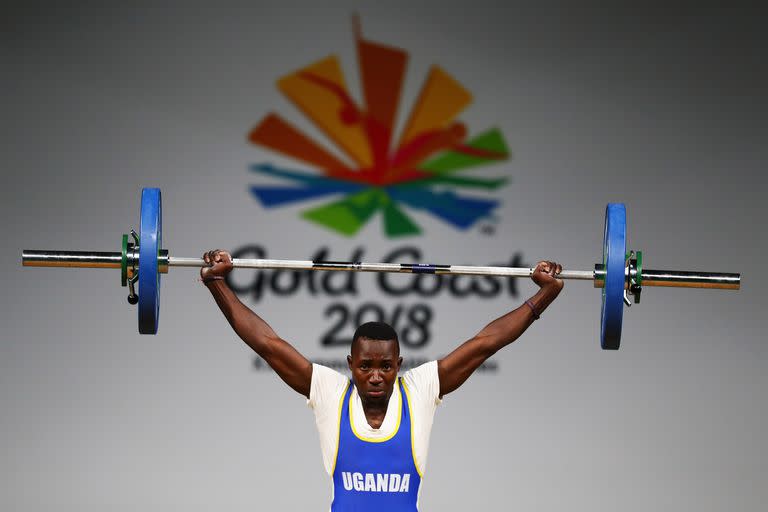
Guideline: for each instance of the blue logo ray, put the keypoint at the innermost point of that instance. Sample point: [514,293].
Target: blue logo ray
[460,211]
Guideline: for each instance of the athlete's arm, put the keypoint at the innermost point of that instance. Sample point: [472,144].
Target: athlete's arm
[455,368]
[287,362]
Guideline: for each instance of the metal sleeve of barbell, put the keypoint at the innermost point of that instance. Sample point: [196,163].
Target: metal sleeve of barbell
[87,259]
[411,268]
[80,259]
[688,279]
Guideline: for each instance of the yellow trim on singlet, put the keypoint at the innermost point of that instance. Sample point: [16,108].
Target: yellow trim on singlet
[338,430]
[413,445]
[370,440]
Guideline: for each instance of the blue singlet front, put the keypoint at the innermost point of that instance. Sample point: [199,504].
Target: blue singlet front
[375,474]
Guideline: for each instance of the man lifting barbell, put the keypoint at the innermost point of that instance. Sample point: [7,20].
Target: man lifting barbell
[374,429]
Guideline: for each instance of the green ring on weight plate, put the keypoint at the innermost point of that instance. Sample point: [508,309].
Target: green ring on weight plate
[639,268]
[124,262]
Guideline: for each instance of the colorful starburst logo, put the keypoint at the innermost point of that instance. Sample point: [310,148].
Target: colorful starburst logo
[384,172]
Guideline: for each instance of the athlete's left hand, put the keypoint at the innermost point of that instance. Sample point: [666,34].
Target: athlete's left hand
[546,276]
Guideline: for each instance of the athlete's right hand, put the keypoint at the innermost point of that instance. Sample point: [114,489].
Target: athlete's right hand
[219,264]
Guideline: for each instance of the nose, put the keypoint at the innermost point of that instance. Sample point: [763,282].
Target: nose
[376,377]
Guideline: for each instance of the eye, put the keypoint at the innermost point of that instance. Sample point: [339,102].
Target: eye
[387,366]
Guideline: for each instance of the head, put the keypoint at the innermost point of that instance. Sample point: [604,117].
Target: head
[374,361]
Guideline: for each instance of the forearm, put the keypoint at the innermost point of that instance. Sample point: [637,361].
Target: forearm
[249,326]
[288,363]
[456,368]
[506,329]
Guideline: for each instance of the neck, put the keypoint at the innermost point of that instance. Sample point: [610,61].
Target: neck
[375,412]
[375,406]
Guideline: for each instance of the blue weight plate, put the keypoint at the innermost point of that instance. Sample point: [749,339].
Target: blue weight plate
[614,252]
[150,243]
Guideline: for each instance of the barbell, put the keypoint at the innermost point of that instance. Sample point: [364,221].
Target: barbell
[142,258]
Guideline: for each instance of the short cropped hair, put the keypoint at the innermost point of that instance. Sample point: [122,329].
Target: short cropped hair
[376,331]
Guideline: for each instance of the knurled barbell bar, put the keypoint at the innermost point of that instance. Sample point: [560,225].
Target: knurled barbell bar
[620,275]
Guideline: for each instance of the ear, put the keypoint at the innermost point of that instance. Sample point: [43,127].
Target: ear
[399,362]
[349,362]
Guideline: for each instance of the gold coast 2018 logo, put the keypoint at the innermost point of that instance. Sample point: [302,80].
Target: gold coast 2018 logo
[419,168]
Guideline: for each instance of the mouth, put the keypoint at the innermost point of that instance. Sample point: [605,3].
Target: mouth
[376,393]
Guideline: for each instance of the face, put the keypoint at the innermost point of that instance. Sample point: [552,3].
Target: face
[374,365]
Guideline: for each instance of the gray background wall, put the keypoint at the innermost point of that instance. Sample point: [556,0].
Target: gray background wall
[661,108]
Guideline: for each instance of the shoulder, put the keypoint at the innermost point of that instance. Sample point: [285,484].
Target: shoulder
[327,384]
[425,372]
[423,383]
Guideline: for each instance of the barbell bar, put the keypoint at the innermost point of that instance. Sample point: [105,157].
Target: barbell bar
[620,275]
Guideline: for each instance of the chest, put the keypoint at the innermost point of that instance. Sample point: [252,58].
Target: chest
[374,418]
[364,449]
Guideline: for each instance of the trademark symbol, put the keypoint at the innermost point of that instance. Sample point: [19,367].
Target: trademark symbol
[488,225]
[488,229]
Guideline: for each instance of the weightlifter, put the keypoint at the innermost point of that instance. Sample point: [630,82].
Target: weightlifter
[374,429]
